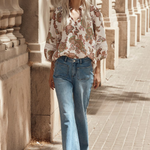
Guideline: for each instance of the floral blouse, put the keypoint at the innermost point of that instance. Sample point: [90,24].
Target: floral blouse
[75,40]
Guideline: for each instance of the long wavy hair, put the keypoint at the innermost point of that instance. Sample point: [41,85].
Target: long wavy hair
[65,4]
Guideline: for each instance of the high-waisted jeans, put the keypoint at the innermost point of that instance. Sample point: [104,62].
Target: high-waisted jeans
[73,79]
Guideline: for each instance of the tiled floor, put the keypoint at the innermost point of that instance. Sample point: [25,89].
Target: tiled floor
[119,111]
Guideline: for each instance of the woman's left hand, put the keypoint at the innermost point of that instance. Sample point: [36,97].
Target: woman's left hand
[97,80]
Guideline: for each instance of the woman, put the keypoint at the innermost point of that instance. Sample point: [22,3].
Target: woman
[75,45]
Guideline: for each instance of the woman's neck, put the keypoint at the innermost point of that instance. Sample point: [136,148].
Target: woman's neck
[74,4]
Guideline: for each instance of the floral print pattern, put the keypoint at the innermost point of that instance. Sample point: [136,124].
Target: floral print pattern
[69,28]
[89,35]
[50,38]
[59,17]
[75,40]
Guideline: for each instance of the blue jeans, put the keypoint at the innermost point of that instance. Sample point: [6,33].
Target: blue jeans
[73,79]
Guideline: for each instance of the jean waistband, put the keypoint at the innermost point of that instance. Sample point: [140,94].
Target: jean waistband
[80,61]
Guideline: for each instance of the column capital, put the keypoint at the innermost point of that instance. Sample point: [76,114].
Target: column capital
[13,13]
[148,2]
[107,8]
[130,7]
[4,14]
[142,4]
[121,6]
[135,5]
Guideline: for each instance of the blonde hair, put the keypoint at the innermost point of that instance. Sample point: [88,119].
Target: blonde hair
[65,4]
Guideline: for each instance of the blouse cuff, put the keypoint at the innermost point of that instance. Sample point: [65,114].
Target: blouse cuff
[48,54]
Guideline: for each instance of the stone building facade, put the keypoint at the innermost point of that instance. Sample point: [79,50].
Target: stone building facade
[28,108]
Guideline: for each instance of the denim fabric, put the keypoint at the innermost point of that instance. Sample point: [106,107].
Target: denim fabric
[73,80]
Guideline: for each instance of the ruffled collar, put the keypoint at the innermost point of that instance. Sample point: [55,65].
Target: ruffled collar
[80,16]
[80,7]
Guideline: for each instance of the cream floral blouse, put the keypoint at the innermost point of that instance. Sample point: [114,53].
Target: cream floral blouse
[75,40]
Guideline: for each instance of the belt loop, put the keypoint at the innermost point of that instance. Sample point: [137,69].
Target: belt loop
[65,58]
[81,61]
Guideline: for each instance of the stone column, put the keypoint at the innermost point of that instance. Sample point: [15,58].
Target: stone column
[114,20]
[143,16]
[149,11]
[133,24]
[142,4]
[137,12]
[45,123]
[107,11]
[99,4]
[0,17]
[112,33]
[124,27]
[147,14]
[102,62]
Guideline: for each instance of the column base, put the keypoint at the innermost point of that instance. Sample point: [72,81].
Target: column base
[46,119]
[103,70]
[138,26]
[112,37]
[124,38]
[147,22]
[149,16]
[133,30]
[37,52]
[143,21]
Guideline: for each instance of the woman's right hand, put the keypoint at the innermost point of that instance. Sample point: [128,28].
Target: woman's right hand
[51,80]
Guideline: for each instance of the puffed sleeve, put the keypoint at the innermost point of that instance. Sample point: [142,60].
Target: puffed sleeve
[51,41]
[100,37]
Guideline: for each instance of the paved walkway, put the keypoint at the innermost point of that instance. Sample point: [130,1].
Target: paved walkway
[119,111]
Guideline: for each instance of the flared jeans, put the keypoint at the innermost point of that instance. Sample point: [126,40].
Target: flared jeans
[73,79]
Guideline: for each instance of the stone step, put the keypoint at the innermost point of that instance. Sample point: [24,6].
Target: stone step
[2,55]
[22,41]
[2,47]
[13,63]
[21,49]
[36,46]
[39,146]
[35,56]
[8,44]
[112,37]
[15,43]
[12,52]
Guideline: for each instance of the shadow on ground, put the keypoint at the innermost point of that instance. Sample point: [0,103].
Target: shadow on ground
[112,93]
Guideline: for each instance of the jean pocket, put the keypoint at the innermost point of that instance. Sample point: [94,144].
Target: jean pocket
[84,73]
[61,70]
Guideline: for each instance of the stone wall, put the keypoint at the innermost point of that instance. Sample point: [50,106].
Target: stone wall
[15,112]
[44,106]
[27,105]
[123,25]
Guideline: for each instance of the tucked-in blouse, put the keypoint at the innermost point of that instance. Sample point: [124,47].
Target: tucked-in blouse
[75,40]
